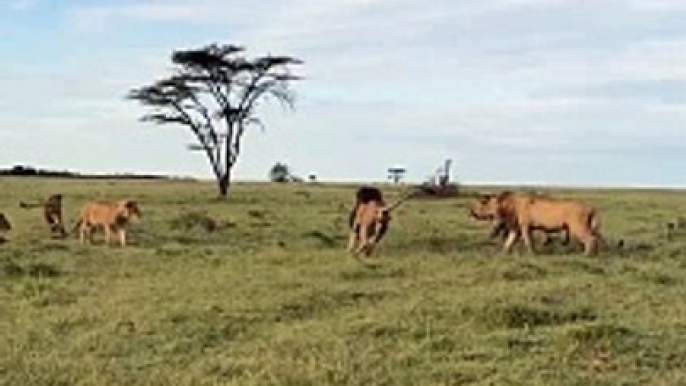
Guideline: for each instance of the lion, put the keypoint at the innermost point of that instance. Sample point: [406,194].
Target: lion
[522,214]
[5,226]
[52,212]
[364,195]
[369,220]
[111,216]
[499,230]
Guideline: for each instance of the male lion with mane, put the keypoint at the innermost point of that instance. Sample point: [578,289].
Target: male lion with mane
[369,220]
[521,214]
[111,216]
[52,212]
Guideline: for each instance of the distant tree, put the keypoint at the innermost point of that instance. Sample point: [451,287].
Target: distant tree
[280,172]
[396,174]
[215,91]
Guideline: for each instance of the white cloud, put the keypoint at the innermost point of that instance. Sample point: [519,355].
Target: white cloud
[482,81]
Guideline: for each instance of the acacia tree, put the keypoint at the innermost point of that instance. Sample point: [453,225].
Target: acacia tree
[214,91]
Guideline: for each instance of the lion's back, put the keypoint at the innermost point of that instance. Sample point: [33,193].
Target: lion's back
[97,213]
[550,210]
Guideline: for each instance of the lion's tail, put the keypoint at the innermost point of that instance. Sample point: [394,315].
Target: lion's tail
[24,205]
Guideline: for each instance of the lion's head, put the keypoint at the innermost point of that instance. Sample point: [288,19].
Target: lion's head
[128,210]
[485,208]
[491,207]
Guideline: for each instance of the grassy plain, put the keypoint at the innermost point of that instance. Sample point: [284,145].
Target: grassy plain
[271,298]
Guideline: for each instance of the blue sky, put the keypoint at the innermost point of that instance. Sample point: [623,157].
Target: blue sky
[565,92]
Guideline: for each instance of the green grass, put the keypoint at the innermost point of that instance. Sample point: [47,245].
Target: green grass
[266,295]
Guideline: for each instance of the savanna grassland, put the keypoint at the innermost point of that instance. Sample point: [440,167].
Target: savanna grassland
[258,290]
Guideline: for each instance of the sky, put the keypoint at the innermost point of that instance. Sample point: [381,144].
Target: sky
[542,92]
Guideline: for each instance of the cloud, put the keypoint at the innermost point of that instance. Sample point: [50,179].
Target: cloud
[563,83]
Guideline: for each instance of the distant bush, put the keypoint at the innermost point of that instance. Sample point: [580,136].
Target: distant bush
[281,173]
[30,171]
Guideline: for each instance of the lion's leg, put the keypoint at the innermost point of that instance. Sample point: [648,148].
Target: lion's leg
[590,242]
[498,230]
[108,234]
[526,234]
[122,237]
[57,227]
[83,230]
[362,248]
[565,237]
[379,230]
[512,238]
[586,237]
[370,248]
[364,239]
[352,239]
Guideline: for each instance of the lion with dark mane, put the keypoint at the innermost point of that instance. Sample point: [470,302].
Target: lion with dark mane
[522,214]
[52,212]
[369,219]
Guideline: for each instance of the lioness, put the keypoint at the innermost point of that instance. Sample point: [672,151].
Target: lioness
[111,216]
[4,227]
[52,212]
[369,220]
[500,230]
[521,214]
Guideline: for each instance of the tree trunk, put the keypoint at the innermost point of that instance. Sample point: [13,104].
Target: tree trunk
[224,183]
